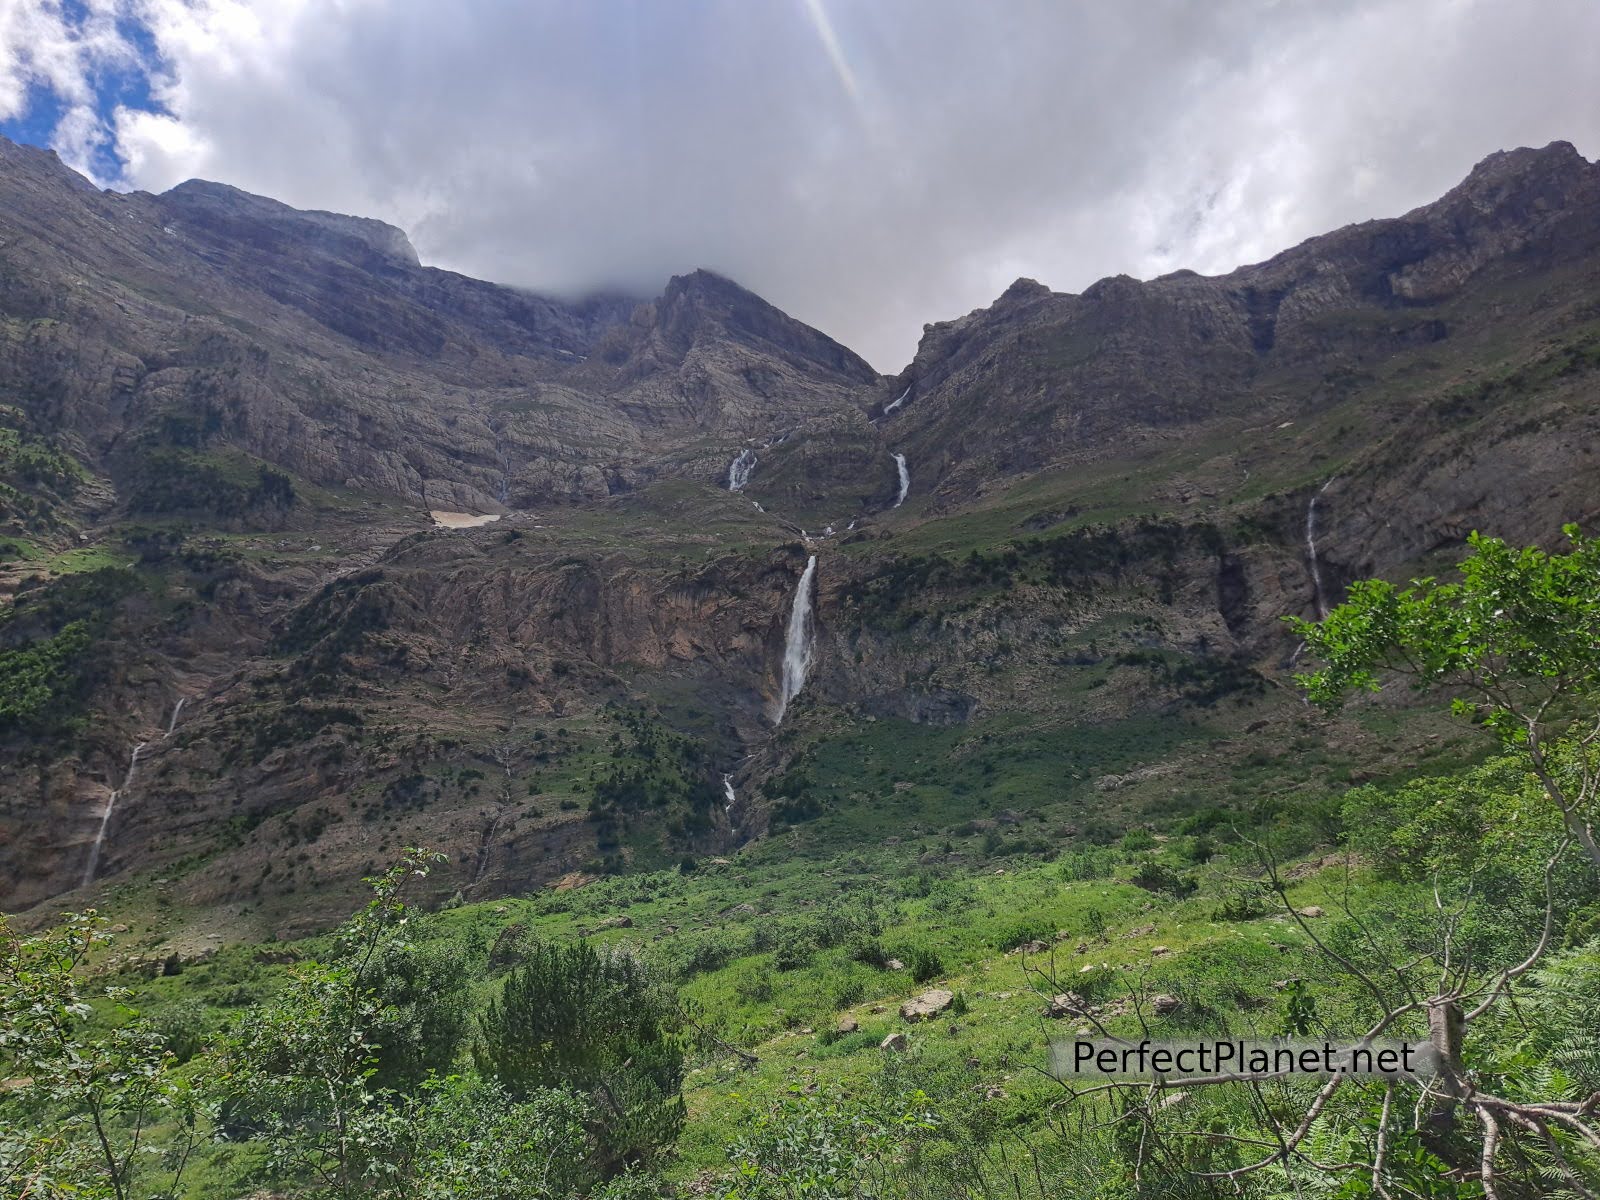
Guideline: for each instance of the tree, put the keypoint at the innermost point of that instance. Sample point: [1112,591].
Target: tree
[1511,1103]
[300,1068]
[80,1099]
[1516,639]
[598,1022]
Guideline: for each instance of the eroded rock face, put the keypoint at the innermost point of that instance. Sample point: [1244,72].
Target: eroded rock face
[356,680]
[1074,378]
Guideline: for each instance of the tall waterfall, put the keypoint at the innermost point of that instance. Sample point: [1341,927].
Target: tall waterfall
[797,643]
[1317,598]
[105,817]
[173,723]
[739,470]
[727,791]
[905,479]
[901,399]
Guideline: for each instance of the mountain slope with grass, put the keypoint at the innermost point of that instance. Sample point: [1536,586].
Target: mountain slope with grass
[245,659]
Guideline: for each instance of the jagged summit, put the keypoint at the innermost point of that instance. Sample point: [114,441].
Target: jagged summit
[200,198]
[703,300]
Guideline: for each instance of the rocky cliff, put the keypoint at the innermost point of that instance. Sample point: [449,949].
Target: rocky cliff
[225,422]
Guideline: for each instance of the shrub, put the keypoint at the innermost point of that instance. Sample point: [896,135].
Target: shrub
[1156,876]
[923,963]
[600,1023]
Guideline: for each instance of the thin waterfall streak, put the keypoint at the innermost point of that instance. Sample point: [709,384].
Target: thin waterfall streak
[797,643]
[905,478]
[899,400]
[1318,601]
[172,723]
[105,817]
[727,791]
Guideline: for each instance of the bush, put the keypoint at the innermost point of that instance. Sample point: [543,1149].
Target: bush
[600,1023]
[1156,876]
[924,963]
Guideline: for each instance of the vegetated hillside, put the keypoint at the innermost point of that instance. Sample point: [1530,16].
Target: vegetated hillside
[228,420]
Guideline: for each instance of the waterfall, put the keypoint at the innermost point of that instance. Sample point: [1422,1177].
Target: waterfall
[739,470]
[905,479]
[1317,600]
[899,401]
[727,790]
[173,723]
[105,817]
[797,643]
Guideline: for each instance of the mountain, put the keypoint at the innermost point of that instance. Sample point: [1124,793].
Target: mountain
[226,421]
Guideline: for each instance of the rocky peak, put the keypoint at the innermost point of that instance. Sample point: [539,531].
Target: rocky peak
[217,204]
[704,303]
[20,158]
[1527,177]
[1022,291]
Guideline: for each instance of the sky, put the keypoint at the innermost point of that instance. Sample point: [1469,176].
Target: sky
[866,165]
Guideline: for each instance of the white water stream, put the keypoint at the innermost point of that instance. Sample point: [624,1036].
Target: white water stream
[797,643]
[905,479]
[898,402]
[127,781]
[739,470]
[105,817]
[727,790]
[1318,600]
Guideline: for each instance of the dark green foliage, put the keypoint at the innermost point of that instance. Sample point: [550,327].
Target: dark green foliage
[1076,561]
[47,663]
[40,682]
[180,481]
[1201,680]
[35,474]
[657,771]
[425,992]
[597,1022]
[923,963]
[297,723]
[1153,875]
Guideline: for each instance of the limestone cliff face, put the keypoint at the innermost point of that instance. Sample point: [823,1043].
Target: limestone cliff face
[1111,511]
[317,343]
[1072,378]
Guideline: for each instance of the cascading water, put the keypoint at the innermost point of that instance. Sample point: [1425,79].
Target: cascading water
[727,791]
[901,399]
[905,479]
[797,643]
[105,817]
[173,722]
[739,470]
[1317,599]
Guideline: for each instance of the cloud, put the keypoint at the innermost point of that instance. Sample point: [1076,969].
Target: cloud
[866,166]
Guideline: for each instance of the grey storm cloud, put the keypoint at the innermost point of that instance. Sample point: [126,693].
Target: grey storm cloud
[867,166]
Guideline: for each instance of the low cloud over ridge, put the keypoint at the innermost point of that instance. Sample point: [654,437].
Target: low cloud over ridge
[867,167]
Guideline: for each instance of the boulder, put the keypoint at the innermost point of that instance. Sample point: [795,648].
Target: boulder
[895,1041]
[928,1005]
[847,1024]
[1165,1005]
[1066,1004]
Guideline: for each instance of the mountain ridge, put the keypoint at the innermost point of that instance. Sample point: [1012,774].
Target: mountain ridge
[248,420]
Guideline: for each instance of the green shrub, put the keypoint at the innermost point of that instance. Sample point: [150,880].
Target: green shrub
[923,963]
[1155,876]
[598,1022]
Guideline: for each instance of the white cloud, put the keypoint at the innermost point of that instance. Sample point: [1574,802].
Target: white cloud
[867,166]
